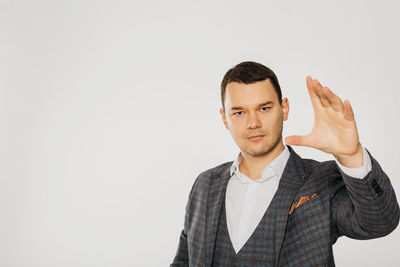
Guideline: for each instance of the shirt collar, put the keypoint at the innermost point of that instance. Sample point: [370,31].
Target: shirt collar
[275,168]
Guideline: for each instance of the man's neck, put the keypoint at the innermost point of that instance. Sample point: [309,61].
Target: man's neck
[252,167]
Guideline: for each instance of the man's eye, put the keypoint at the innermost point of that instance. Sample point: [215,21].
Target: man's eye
[265,108]
[238,113]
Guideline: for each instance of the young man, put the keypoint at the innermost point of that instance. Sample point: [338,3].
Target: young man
[270,207]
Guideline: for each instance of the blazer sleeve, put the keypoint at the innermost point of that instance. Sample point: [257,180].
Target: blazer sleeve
[182,256]
[363,208]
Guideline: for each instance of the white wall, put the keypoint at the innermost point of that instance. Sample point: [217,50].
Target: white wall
[109,111]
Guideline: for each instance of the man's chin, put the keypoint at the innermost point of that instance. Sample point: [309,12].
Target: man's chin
[258,153]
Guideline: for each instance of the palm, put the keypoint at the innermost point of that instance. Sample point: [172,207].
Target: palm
[334,129]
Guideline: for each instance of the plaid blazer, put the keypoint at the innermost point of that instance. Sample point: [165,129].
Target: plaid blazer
[314,205]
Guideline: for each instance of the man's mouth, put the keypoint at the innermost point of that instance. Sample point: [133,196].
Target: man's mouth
[255,138]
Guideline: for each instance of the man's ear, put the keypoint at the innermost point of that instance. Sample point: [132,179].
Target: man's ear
[222,112]
[285,108]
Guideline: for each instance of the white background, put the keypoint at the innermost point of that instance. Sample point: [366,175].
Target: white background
[109,111]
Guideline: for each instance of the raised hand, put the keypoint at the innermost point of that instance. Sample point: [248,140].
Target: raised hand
[334,129]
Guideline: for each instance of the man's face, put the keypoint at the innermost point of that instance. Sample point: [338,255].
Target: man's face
[253,110]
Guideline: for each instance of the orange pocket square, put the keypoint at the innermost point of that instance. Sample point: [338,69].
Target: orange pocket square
[297,204]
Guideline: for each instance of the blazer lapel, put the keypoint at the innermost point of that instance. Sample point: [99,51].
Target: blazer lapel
[292,179]
[215,197]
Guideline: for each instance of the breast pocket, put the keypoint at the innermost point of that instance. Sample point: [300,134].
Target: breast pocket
[306,210]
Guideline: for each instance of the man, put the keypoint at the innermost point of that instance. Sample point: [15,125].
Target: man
[270,207]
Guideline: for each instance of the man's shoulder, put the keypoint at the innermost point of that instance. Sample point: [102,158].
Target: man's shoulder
[203,179]
[311,165]
[315,165]
[317,169]
[215,172]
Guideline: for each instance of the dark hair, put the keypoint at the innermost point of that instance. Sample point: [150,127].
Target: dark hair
[249,72]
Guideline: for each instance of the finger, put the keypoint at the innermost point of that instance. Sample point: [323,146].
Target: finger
[309,86]
[335,101]
[318,89]
[315,99]
[299,140]
[348,110]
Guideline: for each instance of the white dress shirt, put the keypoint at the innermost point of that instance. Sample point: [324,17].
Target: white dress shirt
[247,200]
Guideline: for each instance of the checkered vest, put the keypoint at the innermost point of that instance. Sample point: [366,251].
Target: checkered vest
[257,251]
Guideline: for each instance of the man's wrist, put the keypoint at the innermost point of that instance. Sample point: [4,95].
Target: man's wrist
[352,161]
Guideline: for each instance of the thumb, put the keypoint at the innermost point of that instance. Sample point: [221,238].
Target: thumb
[298,140]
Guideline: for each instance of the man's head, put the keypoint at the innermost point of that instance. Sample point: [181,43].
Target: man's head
[252,105]
[249,72]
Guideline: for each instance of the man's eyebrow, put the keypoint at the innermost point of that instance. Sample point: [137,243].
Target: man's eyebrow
[263,104]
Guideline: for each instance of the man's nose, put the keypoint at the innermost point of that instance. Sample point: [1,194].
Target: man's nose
[253,121]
